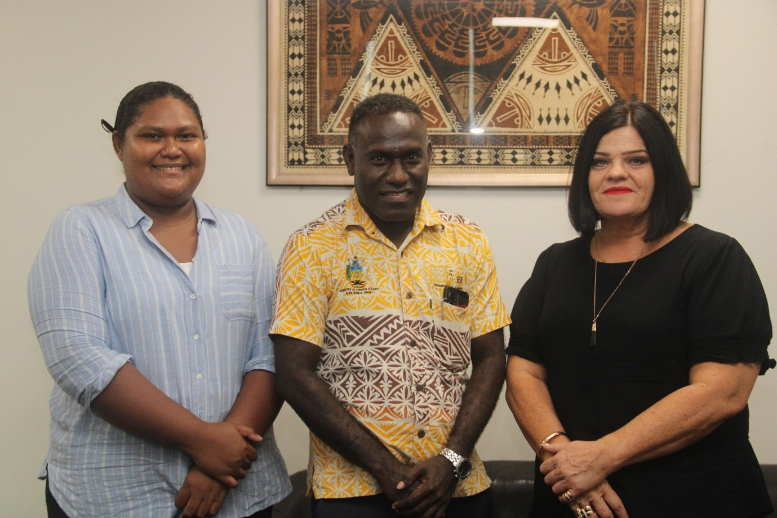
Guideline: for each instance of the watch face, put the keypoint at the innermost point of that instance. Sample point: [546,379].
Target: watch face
[464,468]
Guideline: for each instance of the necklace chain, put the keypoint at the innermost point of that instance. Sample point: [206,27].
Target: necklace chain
[596,314]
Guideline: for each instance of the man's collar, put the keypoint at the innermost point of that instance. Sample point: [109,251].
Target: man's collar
[425,216]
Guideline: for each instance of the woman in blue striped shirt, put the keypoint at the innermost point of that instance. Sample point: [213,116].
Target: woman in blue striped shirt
[152,310]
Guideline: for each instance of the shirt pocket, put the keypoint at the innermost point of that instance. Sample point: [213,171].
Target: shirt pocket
[451,335]
[236,292]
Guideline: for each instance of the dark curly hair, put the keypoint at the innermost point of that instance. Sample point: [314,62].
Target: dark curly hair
[380,104]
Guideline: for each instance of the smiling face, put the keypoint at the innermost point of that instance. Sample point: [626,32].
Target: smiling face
[389,161]
[163,154]
[621,179]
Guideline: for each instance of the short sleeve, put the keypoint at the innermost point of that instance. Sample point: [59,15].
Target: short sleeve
[488,309]
[524,329]
[728,314]
[301,304]
[262,356]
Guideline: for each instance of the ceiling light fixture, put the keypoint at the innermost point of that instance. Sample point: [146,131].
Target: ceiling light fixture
[524,22]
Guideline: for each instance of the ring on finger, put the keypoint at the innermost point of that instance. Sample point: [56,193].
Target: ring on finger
[588,511]
[580,512]
[567,496]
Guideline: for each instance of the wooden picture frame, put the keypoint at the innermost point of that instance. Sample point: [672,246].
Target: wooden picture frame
[532,90]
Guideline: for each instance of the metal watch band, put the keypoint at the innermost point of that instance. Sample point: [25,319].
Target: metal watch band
[461,465]
[452,456]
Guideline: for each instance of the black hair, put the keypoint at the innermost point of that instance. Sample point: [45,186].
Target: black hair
[672,197]
[380,104]
[132,104]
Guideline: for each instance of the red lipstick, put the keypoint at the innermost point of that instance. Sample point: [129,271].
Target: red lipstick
[618,190]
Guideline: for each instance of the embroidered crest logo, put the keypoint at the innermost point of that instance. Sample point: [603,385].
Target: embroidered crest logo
[355,272]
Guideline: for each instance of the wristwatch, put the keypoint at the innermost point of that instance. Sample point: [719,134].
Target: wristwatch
[461,465]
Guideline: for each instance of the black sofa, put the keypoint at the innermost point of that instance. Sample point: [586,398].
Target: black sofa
[512,489]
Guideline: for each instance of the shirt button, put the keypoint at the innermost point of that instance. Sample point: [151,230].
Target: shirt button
[196,337]
[413,343]
[409,295]
[192,296]
[199,375]
[419,388]
[421,434]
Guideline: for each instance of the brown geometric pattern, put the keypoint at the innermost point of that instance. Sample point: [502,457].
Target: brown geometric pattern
[394,66]
[533,90]
[554,89]
[393,352]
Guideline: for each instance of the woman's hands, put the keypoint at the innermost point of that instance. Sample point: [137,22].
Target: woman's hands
[224,451]
[580,469]
[603,500]
[200,495]
[222,454]
[576,466]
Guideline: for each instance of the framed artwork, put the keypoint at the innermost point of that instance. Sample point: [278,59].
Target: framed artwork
[506,86]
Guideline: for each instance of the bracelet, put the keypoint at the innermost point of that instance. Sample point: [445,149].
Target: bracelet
[547,439]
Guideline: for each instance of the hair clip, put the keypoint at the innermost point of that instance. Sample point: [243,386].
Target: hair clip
[107,127]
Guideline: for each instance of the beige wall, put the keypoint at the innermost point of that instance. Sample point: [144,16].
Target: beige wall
[65,65]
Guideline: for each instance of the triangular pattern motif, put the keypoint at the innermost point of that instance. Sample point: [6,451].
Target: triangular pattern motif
[391,64]
[634,49]
[553,71]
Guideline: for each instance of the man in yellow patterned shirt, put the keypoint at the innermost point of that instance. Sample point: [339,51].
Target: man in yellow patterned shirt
[382,306]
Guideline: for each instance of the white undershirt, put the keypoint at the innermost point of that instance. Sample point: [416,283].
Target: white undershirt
[187,267]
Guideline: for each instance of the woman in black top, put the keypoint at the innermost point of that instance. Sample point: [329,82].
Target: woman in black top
[635,347]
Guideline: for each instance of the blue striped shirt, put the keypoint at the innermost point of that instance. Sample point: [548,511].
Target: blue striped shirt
[103,292]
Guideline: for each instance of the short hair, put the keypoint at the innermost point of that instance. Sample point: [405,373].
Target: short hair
[132,104]
[672,196]
[380,104]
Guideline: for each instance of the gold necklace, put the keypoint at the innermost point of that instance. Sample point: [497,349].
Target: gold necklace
[592,342]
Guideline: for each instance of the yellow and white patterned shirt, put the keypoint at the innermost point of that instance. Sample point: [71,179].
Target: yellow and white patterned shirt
[393,352]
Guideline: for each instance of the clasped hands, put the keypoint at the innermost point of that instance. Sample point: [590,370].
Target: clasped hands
[222,454]
[424,490]
[577,472]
